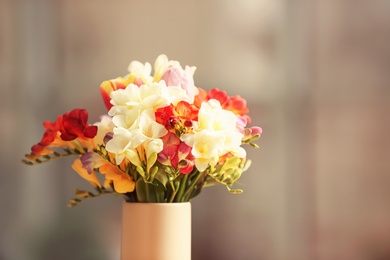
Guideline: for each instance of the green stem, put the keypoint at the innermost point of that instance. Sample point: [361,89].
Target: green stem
[183,184]
[174,191]
[191,187]
[147,192]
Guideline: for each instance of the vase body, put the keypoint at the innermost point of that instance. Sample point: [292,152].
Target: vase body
[156,231]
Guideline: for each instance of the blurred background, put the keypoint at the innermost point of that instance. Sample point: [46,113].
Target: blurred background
[315,74]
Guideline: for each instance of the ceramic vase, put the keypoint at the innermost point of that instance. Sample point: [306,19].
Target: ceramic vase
[156,231]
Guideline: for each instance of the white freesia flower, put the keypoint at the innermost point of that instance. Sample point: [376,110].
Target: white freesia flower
[153,146]
[156,95]
[144,131]
[123,144]
[141,71]
[148,127]
[213,117]
[124,100]
[208,146]
[127,119]
[215,135]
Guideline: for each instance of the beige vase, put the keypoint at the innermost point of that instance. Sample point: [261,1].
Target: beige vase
[156,231]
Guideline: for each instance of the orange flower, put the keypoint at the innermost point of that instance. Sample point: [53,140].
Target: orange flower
[122,182]
[177,118]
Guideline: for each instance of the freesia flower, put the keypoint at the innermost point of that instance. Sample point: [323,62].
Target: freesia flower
[123,144]
[70,126]
[89,176]
[74,125]
[216,134]
[122,183]
[174,75]
[236,104]
[125,141]
[176,153]
[155,95]
[162,140]
[140,73]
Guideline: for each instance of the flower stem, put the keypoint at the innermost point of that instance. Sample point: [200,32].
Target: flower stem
[183,184]
[147,192]
[174,191]
[192,186]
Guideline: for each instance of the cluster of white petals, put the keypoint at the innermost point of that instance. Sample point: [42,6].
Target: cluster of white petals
[133,110]
[214,135]
[128,103]
[145,132]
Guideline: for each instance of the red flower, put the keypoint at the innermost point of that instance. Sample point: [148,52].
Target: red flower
[166,117]
[74,125]
[49,136]
[71,125]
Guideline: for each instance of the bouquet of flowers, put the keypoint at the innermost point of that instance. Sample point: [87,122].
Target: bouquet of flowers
[162,140]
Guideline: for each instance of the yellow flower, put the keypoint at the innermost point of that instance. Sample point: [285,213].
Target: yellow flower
[122,182]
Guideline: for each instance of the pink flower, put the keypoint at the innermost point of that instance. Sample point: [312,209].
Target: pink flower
[176,76]
[176,153]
